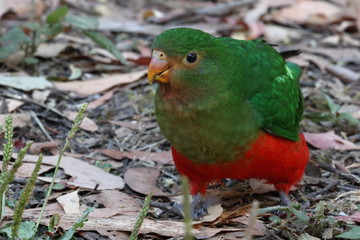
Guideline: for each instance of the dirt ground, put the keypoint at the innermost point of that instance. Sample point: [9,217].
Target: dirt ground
[119,155]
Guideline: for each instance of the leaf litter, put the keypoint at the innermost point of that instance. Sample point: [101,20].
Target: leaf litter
[121,123]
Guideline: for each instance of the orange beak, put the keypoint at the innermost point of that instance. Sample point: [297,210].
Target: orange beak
[159,68]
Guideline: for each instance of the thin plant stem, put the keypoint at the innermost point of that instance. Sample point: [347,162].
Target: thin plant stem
[76,126]
[187,209]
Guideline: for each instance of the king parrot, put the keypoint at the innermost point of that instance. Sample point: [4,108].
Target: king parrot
[230,109]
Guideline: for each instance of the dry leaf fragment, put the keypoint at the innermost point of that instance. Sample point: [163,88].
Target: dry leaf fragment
[329,140]
[24,8]
[144,180]
[27,168]
[25,83]
[19,119]
[115,199]
[50,50]
[37,148]
[84,174]
[101,100]
[345,55]
[70,202]
[13,104]
[308,12]
[89,87]
[87,124]
[159,157]
[344,74]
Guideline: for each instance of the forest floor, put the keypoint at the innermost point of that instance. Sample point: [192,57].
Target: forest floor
[49,68]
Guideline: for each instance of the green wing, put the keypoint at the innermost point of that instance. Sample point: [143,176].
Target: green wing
[271,86]
[281,107]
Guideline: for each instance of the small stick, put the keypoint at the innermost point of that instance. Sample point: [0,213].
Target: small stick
[326,188]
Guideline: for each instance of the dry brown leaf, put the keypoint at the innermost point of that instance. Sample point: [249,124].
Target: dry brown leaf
[122,132]
[13,104]
[336,54]
[318,61]
[40,96]
[144,180]
[329,140]
[37,148]
[344,74]
[50,50]
[126,124]
[83,174]
[260,229]
[27,168]
[114,199]
[159,157]
[87,124]
[308,12]
[23,8]
[70,202]
[19,119]
[101,100]
[276,33]
[89,87]
[214,212]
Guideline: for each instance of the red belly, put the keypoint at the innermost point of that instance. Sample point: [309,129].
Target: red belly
[279,161]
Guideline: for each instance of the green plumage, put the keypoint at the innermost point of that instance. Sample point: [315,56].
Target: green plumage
[235,89]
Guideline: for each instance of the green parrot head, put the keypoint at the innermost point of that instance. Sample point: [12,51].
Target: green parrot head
[187,60]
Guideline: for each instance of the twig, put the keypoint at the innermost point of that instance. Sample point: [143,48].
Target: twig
[37,120]
[167,207]
[324,189]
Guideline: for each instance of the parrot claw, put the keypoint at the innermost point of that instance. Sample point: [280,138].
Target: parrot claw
[285,200]
[199,206]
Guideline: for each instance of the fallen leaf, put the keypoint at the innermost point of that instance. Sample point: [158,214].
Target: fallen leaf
[19,119]
[344,74]
[37,148]
[214,212]
[13,104]
[89,87]
[24,8]
[126,124]
[354,217]
[344,55]
[87,124]
[70,202]
[259,228]
[83,174]
[40,96]
[50,50]
[101,100]
[329,140]
[144,180]
[276,33]
[115,199]
[308,12]
[25,83]
[122,132]
[26,169]
[306,236]
[159,157]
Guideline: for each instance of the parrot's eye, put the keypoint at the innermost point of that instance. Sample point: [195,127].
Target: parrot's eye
[191,57]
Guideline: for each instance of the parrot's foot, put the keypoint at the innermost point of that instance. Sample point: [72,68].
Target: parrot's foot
[285,200]
[199,206]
